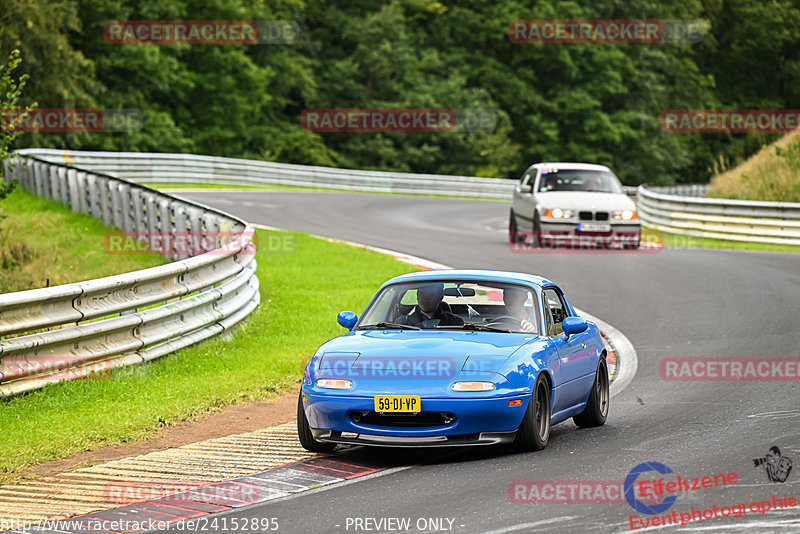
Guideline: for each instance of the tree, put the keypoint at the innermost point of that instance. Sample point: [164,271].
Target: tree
[10,114]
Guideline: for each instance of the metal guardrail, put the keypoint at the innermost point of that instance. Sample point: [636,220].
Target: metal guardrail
[74,330]
[189,168]
[683,210]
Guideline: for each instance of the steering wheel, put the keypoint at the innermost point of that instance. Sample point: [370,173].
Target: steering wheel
[503,320]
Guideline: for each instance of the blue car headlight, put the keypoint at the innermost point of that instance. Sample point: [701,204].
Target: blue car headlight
[333,383]
[472,386]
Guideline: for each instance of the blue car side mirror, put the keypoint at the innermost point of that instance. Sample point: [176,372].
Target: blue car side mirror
[574,325]
[347,319]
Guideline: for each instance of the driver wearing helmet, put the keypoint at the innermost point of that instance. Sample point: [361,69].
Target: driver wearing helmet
[428,313]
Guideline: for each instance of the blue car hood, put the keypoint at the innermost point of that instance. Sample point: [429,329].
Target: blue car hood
[489,348]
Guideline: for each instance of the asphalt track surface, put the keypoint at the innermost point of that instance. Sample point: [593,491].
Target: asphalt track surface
[677,303]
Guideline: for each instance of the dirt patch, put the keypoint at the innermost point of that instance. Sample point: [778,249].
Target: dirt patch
[234,419]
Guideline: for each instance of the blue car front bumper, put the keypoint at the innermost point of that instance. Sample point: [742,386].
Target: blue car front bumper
[442,421]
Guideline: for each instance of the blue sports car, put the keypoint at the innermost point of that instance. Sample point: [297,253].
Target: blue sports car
[455,357]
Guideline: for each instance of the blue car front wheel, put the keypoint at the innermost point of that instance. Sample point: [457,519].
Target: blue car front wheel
[534,432]
[304,432]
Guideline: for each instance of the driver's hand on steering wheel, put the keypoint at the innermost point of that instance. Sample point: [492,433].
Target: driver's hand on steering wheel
[527,326]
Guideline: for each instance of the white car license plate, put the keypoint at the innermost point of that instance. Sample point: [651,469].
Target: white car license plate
[594,227]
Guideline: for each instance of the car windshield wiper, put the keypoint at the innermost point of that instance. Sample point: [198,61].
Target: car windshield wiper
[473,326]
[385,325]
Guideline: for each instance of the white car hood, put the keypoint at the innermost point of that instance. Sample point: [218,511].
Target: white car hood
[577,200]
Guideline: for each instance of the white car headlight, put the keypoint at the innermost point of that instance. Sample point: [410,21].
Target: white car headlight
[558,213]
[626,215]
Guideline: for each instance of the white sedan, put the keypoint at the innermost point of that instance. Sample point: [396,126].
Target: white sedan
[572,204]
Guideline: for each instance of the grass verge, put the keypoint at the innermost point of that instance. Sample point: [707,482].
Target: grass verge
[302,288]
[771,174]
[41,239]
[688,241]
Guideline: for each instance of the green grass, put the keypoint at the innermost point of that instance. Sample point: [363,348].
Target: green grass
[303,287]
[771,174]
[42,239]
[169,187]
[687,241]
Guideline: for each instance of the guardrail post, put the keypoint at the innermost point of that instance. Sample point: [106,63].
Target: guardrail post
[55,183]
[117,205]
[153,220]
[72,187]
[181,229]
[128,214]
[139,211]
[167,225]
[93,207]
[63,186]
[38,179]
[198,237]
[82,180]
[106,201]
[211,223]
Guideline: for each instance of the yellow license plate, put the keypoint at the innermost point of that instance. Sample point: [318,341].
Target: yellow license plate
[398,403]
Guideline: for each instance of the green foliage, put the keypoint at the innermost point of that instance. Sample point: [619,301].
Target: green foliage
[10,93]
[586,102]
[791,155]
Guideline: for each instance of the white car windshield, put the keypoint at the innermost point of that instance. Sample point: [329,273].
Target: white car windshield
[455,305]
[578,180]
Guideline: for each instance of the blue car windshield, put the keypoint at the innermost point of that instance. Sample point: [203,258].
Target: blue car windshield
[453,305]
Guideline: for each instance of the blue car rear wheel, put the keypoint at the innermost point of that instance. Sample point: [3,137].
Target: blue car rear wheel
[596,409]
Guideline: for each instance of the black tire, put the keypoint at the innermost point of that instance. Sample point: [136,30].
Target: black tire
[304,432]
[512,228]
[536,238]
[514,236]
[596,410]
[534,432]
